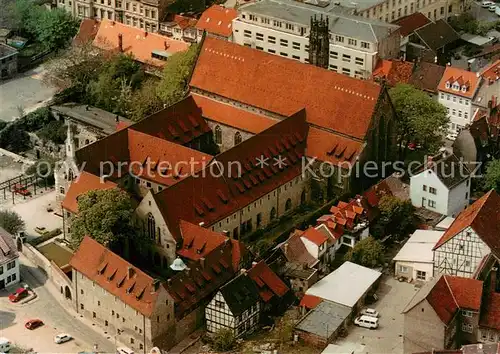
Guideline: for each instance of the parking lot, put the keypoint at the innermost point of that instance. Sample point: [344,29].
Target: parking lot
[388,338]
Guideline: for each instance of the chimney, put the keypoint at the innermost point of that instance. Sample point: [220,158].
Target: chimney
[286,248]
[120,42]
[202,262]
[243,271]
[87,108]
[130,272]
[254,263]
[201,223]
[166,45]
[429,161]
[494,283]
[225,233]
[117,118]
[155,285]
[169,282]
[145,33]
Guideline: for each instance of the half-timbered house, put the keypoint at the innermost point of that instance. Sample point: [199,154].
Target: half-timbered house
[472,236]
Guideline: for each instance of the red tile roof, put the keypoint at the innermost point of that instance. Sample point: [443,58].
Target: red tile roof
[331,147]
[411,23]
[393,71]
[310,301]
[492,72]
[451,293]
[180,123]
[232,116]
[426,76]
[217,20]
[284,86]
[111,272]
[198,283]
[162,161]
[240,254]
[483,216]
[137,42]
[198,242]
[84,183]
[295,251]
[463,77]
[344,217]
[185,22]
[213,197]
[315,236]
[268,283]
[87,31]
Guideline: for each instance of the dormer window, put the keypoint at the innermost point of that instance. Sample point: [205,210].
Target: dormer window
[464,88]
[456,86]
[447,85]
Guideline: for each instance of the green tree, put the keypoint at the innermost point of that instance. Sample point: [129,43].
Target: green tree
[104,215]
[14,138]
[367,252]
[465,23]
[419,118]
[397,218]
[144,101]
[223,340]
[174,83]
[492,176]
[11,222]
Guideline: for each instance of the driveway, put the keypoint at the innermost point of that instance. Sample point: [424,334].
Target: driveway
[388,338]
[56,318]
[26,91]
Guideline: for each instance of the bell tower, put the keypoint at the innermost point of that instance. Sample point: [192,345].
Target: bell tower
[319,42]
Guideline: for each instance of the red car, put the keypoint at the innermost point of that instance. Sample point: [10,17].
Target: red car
[32,324]
[20,294]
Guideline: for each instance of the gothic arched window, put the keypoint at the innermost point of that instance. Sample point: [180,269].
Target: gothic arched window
[151,226]
[237,138]
[273,214]
[218,135]
[288,204]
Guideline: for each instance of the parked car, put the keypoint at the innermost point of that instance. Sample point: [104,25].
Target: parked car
[20,294]
[487,4]
[370,312]
[40,229]
[5,345]
[62,338]
[366,322]
[451,136]
[33,324]
[124,350]
[492,8]
[20,189]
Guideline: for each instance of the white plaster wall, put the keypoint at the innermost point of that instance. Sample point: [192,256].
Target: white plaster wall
[10,272]
[429,179]
[458,198]
[456,105]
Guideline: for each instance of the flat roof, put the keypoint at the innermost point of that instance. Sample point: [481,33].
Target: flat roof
[324,319]
[93,116]
[57,253]
[339,22]
[419,247]
[445,223]
[475,39]
[6,50]
[334,287]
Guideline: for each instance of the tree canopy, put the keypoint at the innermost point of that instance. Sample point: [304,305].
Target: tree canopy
[104,215]
[419,118]
[367,252]
[53,28]
[396,218]
[492,176]
[11,222]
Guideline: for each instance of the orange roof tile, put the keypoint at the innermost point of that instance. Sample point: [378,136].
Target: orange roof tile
[87,31]
[111,272]
[268,283]
[137,42]
[483,216]
[394,71]
[162,161]
[232,116]
[310,301]
[451,293]
[331,147]
[464,77]
[217,20]
[197,241]
[315,236]
[284,86]
[185,22]
[492,72]
[84,183]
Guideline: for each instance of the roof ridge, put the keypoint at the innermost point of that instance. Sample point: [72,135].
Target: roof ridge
[451,291]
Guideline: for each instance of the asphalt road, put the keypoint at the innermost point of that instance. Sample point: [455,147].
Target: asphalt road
[26,91]
[482,14]
[47,308]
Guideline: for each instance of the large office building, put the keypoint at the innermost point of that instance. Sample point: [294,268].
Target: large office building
[283,28]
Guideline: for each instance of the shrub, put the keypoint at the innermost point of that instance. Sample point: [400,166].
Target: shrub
[45,237]
[223,340]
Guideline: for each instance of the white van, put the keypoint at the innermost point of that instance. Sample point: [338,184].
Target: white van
[124,350]
[4,345]
[366,322]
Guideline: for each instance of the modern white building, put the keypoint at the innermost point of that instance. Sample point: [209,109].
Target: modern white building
[9,260]
[472,236]
[415,260]
[442,186]
[457,89]
[283,28]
